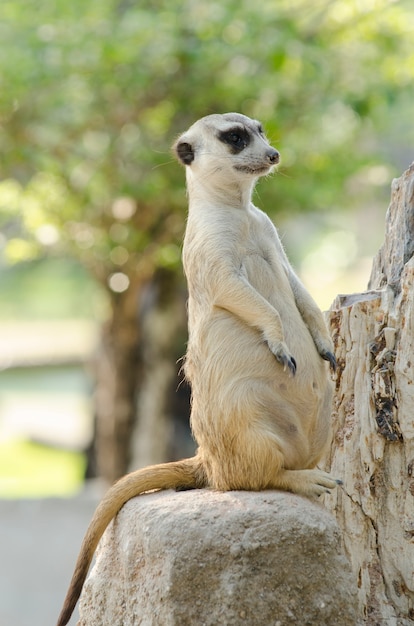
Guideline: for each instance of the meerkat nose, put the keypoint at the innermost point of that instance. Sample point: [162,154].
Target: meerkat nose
[273,156]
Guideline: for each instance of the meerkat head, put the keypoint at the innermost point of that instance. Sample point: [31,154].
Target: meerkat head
[230,145]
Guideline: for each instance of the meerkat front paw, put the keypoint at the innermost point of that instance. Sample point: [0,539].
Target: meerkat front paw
[281,352]
[329,356]
[325,348]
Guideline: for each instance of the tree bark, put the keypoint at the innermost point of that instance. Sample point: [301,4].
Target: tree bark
[373,443]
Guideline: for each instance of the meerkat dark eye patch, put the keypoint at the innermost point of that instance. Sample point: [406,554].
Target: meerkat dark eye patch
[185,152]
[237,138]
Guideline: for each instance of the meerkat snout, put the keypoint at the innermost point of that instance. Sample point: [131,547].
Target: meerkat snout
[273,156]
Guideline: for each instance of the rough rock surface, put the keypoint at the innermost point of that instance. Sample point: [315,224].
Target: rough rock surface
[207,558]
[373,444]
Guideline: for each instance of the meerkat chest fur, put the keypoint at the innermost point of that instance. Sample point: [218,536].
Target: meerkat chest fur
[222,241]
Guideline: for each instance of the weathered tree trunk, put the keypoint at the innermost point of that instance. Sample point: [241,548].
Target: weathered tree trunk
[373,444]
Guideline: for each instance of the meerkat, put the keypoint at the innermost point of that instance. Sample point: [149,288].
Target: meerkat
[258,346]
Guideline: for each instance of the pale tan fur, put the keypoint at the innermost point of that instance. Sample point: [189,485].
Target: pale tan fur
[257,426]
[261,394]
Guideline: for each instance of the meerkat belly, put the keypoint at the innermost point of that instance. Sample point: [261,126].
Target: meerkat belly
[223,349]
[238,385]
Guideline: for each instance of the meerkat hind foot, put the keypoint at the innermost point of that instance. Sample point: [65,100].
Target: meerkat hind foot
[309,482]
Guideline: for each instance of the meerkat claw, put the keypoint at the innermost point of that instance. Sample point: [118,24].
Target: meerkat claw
[328,356]
[288,363]
[292,365]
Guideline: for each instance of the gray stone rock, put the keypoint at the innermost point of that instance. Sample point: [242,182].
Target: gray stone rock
[207,558]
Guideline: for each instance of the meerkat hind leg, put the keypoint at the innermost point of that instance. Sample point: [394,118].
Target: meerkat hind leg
[256,461]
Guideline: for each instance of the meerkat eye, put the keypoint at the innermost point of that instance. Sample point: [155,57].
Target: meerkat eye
[237,139]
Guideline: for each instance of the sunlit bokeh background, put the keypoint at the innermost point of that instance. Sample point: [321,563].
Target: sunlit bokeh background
[92,205]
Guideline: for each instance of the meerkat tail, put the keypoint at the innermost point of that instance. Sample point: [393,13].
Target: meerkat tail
[186,474]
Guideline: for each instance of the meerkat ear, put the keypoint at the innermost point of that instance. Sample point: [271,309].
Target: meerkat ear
[184,152]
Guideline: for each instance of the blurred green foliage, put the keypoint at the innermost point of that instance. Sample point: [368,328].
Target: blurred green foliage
[49,289]
[31,470]
[92,95]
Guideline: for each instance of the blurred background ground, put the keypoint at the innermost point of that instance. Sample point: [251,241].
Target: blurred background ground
[38,548]
[47,337]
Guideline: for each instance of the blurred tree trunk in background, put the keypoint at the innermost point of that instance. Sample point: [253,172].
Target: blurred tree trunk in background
[164,330]
[118,376]
[373,444]
[136,420]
